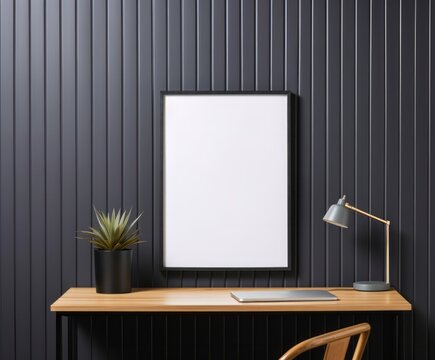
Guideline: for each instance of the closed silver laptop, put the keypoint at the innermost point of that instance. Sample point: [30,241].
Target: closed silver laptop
[283,295]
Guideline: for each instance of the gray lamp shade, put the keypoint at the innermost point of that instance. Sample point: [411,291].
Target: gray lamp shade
[338,214]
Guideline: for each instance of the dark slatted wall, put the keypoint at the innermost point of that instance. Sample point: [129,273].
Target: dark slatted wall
[79,89]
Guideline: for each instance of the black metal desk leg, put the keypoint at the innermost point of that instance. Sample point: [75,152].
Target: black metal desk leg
[58,336]
[72,343]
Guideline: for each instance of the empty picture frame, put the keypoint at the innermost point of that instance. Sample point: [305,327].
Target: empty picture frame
[225,180]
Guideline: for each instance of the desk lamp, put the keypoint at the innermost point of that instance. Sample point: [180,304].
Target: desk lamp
[338,214]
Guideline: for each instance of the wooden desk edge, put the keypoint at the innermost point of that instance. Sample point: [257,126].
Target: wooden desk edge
[404,305]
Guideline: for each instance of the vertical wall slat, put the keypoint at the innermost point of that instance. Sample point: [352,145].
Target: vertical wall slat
[202,336]
[217,336]
[245,336]
[392,131]
[431,198]
[188,44]
[333,133]
[377,136]
[37,175]
[7,228]
[260,336]
[318,143]
[173,333]
[275,343]
[99,111]
[22,178]
[174,36]
[291,23]
[129,338]
[304,148]
[406,206]
[233,50]
[84,139]
[114,337]
[114,138]
[277,38]
[291,83]
[262,44]
[203,44]
[84,162]
[377,158]
[174,80]
[421,166]
[114,102]
[347,120]
[53,164]
[362,131]
[68,144]
[262,77]
[99,104]
[277,15]
[159,83]
[130,120]
[218,55]
[247,52]
[145,144]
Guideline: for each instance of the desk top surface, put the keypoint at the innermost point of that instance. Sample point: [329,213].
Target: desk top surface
[220,300]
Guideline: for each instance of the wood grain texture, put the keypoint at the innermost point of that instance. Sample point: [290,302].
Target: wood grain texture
[220,300]
[336,342]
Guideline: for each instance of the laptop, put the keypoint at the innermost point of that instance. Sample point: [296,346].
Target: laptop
[283,295]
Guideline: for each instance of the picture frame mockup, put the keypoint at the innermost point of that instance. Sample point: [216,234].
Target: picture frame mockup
[224,180]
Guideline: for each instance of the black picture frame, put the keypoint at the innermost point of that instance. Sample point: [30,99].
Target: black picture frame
[158,178]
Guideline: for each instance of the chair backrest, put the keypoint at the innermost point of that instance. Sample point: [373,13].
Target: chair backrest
[336,343]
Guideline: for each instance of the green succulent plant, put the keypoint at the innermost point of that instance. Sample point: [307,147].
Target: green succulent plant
[114,232]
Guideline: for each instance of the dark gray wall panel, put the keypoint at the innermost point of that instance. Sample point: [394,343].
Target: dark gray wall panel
[304,154]
[159,81]
[145,145]
[347,120]
[174,75]
[80,90]
[37,189]
[406,162]
[318,143]
[22,177]
[203,45]
[53,180]
[130,116]
[421,179]
[7,166]
[431,196]
[362,136]
[377,135]
[333,137]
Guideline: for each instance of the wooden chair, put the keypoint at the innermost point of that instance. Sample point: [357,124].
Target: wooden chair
[336,343]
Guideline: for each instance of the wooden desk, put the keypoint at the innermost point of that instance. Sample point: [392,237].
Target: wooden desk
[219,300]
[86,300]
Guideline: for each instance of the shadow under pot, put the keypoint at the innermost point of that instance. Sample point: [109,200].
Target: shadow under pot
[113,271]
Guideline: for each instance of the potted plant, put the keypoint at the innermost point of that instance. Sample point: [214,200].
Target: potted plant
[113,256]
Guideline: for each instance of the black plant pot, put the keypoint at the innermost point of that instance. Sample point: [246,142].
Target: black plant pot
[113,271]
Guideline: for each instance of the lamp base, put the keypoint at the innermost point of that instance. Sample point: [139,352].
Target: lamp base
[371,286]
